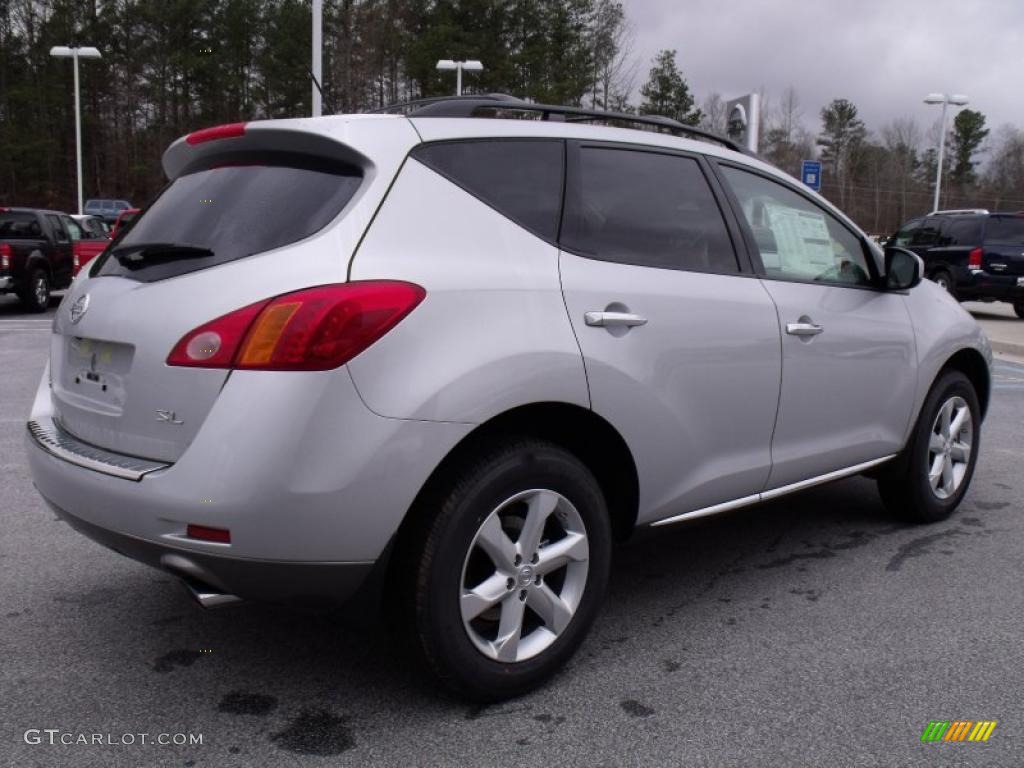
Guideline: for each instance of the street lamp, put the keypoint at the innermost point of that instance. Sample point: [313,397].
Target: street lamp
[76,53]
[940,98]
[317,70]
[469,66]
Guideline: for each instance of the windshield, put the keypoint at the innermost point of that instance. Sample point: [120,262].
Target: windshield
[1005,230]
[232,211]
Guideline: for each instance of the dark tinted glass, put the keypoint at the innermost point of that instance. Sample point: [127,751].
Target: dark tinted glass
[18,225]
[961,231]
[1005,230]
[906,233]
[521,179]
[235,211]
[58,228]
[649,209]
[928,234]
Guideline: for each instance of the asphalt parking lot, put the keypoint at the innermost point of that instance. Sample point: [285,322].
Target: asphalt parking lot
[807,632]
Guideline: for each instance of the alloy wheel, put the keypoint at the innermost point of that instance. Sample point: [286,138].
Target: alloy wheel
[524,575]
[949,447]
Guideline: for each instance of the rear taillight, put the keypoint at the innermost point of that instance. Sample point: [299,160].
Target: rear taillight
[76,264]
[228,131]
[5,255]
[311,330]
[974,259]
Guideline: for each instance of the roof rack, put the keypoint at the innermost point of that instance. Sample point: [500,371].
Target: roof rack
[961,212]
[469,106]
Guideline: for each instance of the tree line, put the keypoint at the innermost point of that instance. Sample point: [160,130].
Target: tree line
[173,66]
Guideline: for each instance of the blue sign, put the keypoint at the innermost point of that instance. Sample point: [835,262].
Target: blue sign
[810,174]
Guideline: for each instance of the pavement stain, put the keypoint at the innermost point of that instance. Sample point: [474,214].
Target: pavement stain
[166,620]
[178,658]
[241,703]
[919,547]
[990,506]
[316,732]
[634,708]
[547,719]
[810,594]
[670,665]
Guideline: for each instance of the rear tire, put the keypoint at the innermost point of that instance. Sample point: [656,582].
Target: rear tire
[36,294]
[511,572]
[944,280]
[1019,309]
[929,479]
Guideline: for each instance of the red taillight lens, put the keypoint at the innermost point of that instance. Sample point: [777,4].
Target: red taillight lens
[311,330]
[76,264]
[5,255]
[974,259]
[229,131]
[206,533]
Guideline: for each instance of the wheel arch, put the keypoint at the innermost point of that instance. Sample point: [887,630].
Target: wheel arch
[971,364]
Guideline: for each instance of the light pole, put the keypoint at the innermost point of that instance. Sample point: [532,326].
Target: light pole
[469,66]
[318,36]
[945,100]
[76,53]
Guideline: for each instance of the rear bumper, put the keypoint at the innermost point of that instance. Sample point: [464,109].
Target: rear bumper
[6,283]
[260,580]
[983,285]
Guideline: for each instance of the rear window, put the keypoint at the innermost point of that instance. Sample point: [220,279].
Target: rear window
[520,178]
[19,225]
[211,216]
[1005,230]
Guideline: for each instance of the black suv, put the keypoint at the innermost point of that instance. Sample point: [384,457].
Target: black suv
[973,254]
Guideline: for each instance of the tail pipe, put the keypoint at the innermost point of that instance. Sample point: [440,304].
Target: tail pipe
[197,583]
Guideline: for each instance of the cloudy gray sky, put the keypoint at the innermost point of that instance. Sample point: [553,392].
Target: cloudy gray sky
[883,55]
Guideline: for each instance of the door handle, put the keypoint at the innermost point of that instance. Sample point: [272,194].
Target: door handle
[803,329]
[613,319]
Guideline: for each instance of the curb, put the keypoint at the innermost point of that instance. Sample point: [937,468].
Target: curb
[1007,347]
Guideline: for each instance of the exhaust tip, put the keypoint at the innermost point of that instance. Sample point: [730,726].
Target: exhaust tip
[211,600]
[199,587]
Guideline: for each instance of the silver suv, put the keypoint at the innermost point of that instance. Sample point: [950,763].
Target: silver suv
[447,360]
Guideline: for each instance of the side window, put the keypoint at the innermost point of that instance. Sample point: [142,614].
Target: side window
[961,231]
[646,208]
[521,179]
[906,233]
[72,227]
[58,228]
[928,234]
[797,240]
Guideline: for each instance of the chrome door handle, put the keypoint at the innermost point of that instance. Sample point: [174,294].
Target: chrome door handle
[803,329]
[612,319]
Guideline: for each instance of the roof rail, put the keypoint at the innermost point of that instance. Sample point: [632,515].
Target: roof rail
[469,106]
[961,212]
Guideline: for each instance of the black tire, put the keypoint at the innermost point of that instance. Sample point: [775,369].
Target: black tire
[904,484]
[1019,309]
[36,294]
[435,579]
[945,280]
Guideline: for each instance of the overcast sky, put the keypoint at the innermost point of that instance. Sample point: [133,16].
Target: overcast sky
[883,55]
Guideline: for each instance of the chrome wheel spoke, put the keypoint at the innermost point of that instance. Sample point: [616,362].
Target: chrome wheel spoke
[960,452]
[493,540]
[947,474]
[539,507]
[485,595]
[945,417]
[936,444]
[572,548]
[510,630]
[550,607]
[960,419]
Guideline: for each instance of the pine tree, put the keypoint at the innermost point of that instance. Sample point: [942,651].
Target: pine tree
[667,93]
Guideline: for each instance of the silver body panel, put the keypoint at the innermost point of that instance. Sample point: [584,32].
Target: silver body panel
[322,467]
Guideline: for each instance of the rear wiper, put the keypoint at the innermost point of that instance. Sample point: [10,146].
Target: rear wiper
[138,252]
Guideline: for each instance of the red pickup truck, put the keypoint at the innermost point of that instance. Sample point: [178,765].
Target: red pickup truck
[90,236]
[36,254]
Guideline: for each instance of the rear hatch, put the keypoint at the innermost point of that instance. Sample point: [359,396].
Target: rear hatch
[266,209]
[1004,245]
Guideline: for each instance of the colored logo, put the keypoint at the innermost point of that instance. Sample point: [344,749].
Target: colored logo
[958,730]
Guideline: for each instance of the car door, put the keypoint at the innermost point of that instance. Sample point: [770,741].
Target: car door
[848,350]
[62,259]
[680,343]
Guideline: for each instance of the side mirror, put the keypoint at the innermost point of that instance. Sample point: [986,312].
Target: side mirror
[903,269]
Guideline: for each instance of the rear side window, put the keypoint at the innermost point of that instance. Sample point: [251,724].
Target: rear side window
[648,209]
[215,215]
[928,234]
[58,228]
[961,231]
[14,226]
[1005,230]
[520,178]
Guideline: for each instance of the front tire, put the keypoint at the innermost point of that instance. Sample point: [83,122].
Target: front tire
[36,295]
[928,481]
[1018,307]
[512,571]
